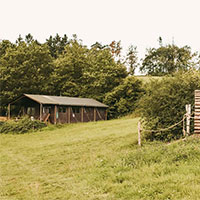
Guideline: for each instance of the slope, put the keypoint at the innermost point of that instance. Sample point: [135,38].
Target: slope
[98,160]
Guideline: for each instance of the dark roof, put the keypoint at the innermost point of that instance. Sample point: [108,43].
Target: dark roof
[63,100]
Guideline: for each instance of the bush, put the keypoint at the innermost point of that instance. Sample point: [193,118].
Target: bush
[164,103]
[22,126]
[122,99]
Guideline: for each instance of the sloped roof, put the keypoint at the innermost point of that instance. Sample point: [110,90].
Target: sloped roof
[63,100]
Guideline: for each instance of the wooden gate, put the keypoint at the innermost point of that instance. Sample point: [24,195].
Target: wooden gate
[197,112]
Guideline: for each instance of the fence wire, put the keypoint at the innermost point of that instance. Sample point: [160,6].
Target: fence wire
[168,128]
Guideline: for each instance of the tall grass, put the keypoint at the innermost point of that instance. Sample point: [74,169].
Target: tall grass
[98,160]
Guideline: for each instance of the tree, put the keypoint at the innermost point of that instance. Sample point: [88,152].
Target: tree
[84,72]
[167,60]
[25,68]
[131,59]
[122,99]
[4,45]
[98,45]
[67,77]
[116,49]
[102,74]
[57,44]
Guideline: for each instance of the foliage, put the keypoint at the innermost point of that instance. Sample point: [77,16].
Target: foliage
[61,66]
[103,73]
[122,99]
[115,48]
[167,60]
[68,71]
[86,72]
[57,44]
[25,68]
[21,126]
[132,59]
[164,103]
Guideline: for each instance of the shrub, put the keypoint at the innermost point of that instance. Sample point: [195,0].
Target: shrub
[164,103]
[22,126]
[122,99]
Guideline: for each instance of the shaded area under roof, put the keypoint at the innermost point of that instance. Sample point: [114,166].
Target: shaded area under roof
[63,100]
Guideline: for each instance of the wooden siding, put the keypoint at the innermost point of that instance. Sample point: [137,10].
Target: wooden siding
[60,113]
[197,112]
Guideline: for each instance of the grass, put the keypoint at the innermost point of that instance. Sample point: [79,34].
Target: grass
[94,161]
[146,79]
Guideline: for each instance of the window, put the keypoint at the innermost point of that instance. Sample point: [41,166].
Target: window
[47,109]
[31,111]
[76,109]
[62,109]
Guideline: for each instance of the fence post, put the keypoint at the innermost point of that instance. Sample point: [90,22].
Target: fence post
[184,132]
[188,114]
[8,116]
[139,133]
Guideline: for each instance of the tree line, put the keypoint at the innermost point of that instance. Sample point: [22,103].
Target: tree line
[65,66]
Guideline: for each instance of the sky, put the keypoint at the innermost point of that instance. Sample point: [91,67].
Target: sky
[136,22]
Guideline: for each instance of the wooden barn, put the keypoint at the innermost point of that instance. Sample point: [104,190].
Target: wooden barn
[58,109]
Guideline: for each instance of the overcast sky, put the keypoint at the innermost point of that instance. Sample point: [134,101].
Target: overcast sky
[137,22]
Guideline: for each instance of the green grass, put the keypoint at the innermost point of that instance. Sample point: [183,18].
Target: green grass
[94,161]
[146,79]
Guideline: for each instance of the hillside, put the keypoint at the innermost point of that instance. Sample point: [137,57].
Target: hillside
[146,79]
[94,161]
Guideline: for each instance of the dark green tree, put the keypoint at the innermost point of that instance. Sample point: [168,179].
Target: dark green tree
[84,72]
[4,45]
[122,99]
[103,73]
[25,68]
[57,44]
[167,60]
[67,78]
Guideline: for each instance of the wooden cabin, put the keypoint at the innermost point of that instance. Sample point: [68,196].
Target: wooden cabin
[58,109]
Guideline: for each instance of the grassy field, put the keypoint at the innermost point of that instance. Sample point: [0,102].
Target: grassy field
[95,161]
[146,79]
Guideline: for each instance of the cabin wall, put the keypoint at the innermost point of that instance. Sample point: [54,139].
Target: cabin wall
[88,114]
[100,114]
[75,114]
[48,109]
[62,114]
[26,107]
[56,113]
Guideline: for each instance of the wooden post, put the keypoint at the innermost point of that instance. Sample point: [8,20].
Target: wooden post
[139,133]
[106,114]
[9,111]
[23,111]
[55,113]
[188,114]
[184,132]
[41,111]
[95,114]
[82,114]
[69,114]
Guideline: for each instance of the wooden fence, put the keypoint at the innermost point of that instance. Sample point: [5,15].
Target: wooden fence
[197,112]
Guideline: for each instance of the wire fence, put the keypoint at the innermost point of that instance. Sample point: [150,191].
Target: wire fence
[186,116]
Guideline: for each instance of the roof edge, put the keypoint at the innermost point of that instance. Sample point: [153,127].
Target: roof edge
[29,96]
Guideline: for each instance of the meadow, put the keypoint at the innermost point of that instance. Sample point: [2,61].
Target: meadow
[146,79]
[95,161]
